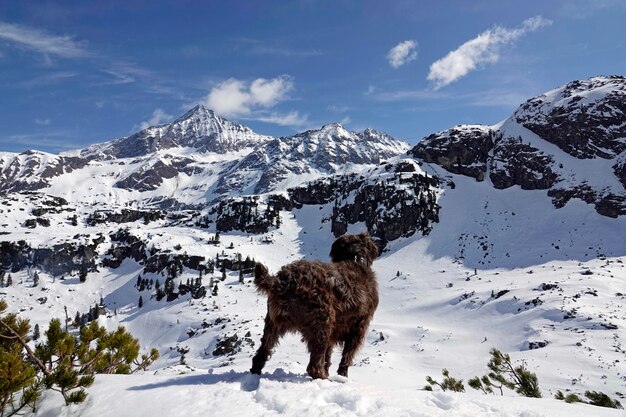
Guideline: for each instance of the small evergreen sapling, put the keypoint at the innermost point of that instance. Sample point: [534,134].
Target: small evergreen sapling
[569,398]
[505,374]
[601,400]
[448,384]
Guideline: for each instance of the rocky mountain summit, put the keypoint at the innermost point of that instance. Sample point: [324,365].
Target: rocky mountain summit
[570,141]
[308,155]
[199,128]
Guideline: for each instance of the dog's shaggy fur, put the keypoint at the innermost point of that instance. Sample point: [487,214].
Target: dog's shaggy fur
[327,303]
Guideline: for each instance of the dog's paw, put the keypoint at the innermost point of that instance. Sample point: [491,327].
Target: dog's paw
[338,378]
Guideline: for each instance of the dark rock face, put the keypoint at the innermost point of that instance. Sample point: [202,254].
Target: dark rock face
[516,163]
[124,216]
[461,150]
[398,203]
[400,206]
[127,246]
[247,215]
[586,119]
[230,345]
[610,205]
[149,178]
[58,260]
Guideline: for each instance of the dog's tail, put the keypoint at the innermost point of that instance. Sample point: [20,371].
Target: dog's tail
[262,279]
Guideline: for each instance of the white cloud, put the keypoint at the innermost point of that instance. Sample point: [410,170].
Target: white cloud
[233,97]
[42,42]
[158,117]
[293,119]
[42,122]
[483,49]
[402,53]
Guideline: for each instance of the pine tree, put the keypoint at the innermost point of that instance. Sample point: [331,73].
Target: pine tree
[35,279]
[36,332]
[82,275]
[505,374]
[140,303]
[214,292]
[139,281]
[17,373]
[241,276]
[169,286]
[448,384]
[2,283]
[9,280]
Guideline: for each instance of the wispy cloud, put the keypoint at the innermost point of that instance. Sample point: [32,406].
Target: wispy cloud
[483,49]
[258,47]
[42,122]
[236,98]
[407,95]
[51,78]
[402,53]
[42,42]
[292,119]
[582,9]
[501,97]
[158,117]
[56,141]
[338,108]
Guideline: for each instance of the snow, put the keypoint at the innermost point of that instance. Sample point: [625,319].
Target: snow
[427,324]
[282,393]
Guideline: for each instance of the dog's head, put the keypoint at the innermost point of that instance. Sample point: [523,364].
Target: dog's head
[359,248]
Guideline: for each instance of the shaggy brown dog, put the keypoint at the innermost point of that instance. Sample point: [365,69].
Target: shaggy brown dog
[327,303]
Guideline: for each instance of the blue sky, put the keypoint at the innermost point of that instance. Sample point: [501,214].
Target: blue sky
[79,72]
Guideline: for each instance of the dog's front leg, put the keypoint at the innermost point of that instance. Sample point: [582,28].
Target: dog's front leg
[352,343]
[271,334]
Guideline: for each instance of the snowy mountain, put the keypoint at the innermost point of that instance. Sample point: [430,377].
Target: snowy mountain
[194,161]
[199,128]
[508,236]
[570,141]
[288,161]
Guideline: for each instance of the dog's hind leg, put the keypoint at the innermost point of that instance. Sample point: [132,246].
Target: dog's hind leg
[352,343]
[317,363]
[317,336]
[271,334]
[329,353]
